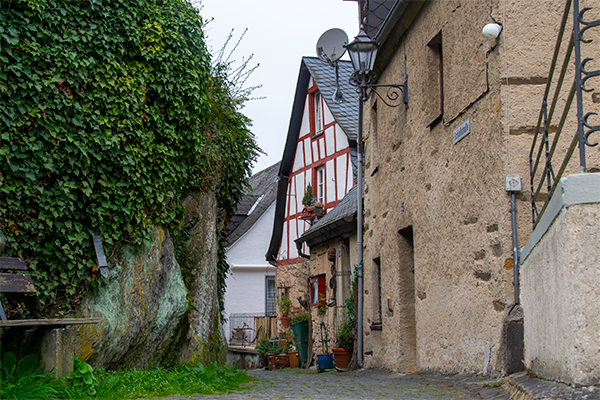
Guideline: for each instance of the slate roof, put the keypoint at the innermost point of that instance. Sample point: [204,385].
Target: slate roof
[339,220]
[254,203]
[378,12]
[346,114]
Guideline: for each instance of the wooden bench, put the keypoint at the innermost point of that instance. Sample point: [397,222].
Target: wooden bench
[55,347]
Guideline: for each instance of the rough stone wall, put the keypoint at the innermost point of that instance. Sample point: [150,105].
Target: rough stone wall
[436,213]
[561,298]
[320,264]
[292,278]
[147,318]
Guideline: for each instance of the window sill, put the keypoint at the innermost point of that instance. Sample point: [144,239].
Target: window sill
[376,326]
[317,135]
[435,121]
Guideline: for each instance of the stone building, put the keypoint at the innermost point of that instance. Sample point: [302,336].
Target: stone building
[332,243]
[320,150]
[438,257]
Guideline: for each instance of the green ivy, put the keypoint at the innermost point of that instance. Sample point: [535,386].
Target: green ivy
[110,113]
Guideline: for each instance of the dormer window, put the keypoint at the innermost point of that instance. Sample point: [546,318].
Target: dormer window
[318,113]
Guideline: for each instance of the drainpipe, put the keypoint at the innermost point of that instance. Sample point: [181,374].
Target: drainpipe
[513,210]
[359,228]
[513,185]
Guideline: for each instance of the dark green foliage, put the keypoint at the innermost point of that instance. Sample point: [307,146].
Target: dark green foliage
[183,380]
[285,305]
[299,317]
[346,331]
[110,113]
[24,379]
[82,378]
[308,198]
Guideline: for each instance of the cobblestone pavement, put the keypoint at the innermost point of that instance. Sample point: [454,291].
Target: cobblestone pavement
[363,384]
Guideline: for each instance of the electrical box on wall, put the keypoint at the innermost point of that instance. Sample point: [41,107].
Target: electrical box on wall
[513,183]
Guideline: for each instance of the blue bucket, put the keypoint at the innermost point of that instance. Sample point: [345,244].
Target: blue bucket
[324,361]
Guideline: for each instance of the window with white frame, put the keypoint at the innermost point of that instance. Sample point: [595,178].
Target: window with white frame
[318,113]
[270,303]
[320,184]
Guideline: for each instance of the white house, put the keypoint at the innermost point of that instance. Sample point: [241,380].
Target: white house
[251,282]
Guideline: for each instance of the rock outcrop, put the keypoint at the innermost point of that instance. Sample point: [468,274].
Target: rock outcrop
[155,311]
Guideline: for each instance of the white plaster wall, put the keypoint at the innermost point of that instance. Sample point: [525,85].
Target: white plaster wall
[245,291]
[329,137]
[560,293]
[327,114]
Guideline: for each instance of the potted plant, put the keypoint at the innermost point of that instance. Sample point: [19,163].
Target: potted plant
[277,356]
[345,343]
[285,304]
[262,348]
[308,198]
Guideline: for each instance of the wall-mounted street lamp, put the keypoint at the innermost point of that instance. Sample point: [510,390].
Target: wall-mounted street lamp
[363,52]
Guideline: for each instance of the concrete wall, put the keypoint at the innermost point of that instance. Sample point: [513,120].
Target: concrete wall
[437,216]
[560,289]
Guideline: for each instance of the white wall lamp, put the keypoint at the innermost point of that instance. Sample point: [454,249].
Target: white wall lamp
[491,30]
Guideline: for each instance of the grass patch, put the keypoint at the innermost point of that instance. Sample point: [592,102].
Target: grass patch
[182,380]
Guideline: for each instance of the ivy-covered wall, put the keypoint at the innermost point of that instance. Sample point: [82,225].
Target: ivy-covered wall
[110,113]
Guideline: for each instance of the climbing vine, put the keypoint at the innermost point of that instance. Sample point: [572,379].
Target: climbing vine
[110,113]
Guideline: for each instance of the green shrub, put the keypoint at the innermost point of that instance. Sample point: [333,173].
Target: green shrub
[110,114]
[23,379]
[299,317]
[285,304]
[308,198]
[82,378]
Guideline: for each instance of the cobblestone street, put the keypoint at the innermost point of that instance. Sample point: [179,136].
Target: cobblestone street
[364,384]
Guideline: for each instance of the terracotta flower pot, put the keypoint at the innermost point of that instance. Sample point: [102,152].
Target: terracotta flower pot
[294,359]
[271,360]
[282,361]
[285,321]
[342,357]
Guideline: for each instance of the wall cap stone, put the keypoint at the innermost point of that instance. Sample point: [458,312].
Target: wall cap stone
[571,190]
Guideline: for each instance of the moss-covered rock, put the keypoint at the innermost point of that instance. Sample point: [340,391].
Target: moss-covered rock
[151,314]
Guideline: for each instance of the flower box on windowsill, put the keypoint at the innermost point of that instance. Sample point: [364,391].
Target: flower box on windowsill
[312,212]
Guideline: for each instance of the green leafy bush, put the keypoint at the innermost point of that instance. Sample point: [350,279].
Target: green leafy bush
[308,197]
[285,304]
[110,113]
[82,378]
[299,317]
[23,379]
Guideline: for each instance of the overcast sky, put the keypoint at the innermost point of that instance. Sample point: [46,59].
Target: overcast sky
[279,33]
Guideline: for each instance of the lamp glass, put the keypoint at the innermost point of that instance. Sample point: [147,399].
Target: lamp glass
[362,53]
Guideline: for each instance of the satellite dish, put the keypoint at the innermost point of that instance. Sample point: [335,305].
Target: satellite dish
[331,45]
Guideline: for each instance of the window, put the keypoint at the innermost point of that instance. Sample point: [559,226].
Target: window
[318,113]
[377,292]
[270,303]
[317,290]
[320,175]
[436,77]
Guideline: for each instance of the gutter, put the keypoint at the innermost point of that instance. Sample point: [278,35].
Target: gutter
[390,21]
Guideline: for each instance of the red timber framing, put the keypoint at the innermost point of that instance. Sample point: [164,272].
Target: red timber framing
[313,157]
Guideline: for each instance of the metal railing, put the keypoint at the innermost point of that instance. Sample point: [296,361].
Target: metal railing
[247,329]
[543,175]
